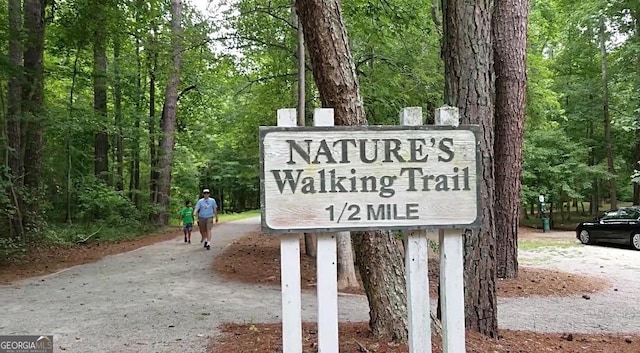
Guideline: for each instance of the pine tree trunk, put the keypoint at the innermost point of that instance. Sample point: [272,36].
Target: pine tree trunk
[510,50]
[469,82]
[33,94]
[101,138]
[168,121]
[378,256]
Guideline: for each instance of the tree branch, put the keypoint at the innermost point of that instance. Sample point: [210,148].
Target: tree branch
[263,79]
[192,87]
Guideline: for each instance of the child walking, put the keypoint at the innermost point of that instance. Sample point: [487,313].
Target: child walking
[186,216]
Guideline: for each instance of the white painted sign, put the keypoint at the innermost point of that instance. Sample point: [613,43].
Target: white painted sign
[357,178]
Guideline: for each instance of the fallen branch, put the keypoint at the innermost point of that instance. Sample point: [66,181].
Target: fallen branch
[82,241]
[362,347]
[436,325]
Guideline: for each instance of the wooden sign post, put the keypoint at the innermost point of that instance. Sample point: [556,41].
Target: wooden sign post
[412,177]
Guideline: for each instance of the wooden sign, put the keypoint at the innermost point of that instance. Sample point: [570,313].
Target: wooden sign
[369,177]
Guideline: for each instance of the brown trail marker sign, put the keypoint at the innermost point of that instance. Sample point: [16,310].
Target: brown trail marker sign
[412,177]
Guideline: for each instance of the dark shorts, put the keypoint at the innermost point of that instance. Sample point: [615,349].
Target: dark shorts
[188,226]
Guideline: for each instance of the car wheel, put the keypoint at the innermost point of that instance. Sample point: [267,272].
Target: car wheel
[635,241]
[585,237]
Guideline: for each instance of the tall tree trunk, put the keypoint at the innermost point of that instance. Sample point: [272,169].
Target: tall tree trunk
[101,139]
[169,112]
[117,106]
[613,195]
[377,253]
[14,117]
[134,181]
[469,82]
[33,94]
[510,60]
[153,124]
[310,240]
[72,90]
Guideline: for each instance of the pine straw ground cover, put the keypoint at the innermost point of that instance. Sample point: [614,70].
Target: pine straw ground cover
[255,259]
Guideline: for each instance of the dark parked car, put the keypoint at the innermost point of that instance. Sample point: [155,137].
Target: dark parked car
[621,226]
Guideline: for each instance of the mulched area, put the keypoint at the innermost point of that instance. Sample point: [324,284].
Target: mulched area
[45,259]
[255,259]
[356,338]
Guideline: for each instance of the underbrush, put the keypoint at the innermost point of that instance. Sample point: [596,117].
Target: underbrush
[97,231]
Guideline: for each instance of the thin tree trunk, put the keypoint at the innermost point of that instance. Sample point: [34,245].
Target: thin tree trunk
[378,256]
[33,94]
[101,138]
[510,59]
[469,82]
[14,91]
[169,112]
[14,117]
[310,244]
[153,123]
[346,267]
[117,106]
[69,160]
[134,181]
[613,195]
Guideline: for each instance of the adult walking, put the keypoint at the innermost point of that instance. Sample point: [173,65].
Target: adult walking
[206,210]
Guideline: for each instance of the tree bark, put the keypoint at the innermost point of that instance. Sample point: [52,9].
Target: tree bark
[33,94]
[469,82]
[510,60]
[168,121]
[378,256]
[613,195]
[101,138]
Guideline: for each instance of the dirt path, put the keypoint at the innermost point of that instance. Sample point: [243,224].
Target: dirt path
[163,298]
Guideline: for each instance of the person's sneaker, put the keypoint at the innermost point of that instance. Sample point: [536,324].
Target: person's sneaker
[208,246]
[185,239]
[205,244]
[189,241]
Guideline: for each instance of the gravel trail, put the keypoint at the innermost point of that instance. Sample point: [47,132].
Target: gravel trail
[160,298]
[164,298]
[616,309]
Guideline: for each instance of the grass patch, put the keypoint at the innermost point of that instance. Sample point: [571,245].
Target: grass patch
[228,217]
[534,245]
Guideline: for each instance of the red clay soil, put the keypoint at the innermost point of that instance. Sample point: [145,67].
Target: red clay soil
[356,338]
[46,259]
[255,259]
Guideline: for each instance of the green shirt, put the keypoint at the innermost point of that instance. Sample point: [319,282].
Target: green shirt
[187,215]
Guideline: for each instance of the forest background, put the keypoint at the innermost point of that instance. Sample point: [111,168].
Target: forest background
[93,94]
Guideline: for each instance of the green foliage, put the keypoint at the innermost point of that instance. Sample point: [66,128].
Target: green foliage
[97,201]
